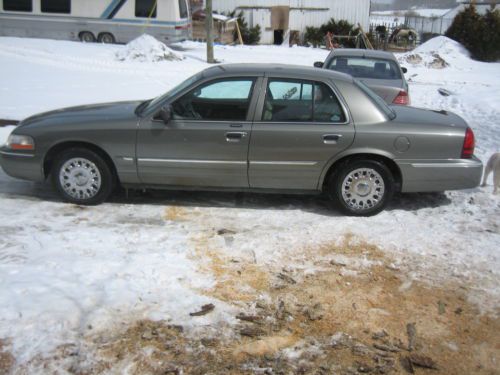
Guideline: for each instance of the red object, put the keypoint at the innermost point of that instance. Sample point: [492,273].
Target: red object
[402,98]
[183,27]
[17,146]
[469,144]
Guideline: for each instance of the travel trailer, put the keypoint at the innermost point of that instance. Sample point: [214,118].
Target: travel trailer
[104,21]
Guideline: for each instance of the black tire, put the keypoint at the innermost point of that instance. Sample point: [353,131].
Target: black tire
[89,178]
[86,37]
[106,38]
[362,187]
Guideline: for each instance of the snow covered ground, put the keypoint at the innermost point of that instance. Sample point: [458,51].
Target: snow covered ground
[68,271]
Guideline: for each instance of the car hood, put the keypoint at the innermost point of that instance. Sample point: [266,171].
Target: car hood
[83,113]
[421,116]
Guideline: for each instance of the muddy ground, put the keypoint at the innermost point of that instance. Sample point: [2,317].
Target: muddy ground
[354,312]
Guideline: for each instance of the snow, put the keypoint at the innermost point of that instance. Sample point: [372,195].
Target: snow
[66,271]
[4,133]
[147,49]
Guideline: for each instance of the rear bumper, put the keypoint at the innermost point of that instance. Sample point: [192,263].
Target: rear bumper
[440,175]
[21,165]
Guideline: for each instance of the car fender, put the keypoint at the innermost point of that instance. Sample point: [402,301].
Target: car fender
[350,153]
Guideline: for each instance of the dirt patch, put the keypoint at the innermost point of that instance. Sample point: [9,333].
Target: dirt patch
[351,312]
[8,122]
[7,360]
[174,213]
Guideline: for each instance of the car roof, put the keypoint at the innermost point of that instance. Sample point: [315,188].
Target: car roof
[275,69]
[362,52]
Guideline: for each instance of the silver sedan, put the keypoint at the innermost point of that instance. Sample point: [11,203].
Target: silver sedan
[379,70]
[249,127]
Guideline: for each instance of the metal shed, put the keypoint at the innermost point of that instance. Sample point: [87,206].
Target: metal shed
[278,17]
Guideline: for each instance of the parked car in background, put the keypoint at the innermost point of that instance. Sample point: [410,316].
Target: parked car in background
[379,70]
[249,127]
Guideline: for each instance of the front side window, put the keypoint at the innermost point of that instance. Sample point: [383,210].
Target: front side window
[183,10]
[361,67]
[145,8]
[18,5]
[301,101]
[56,6]
[224,100]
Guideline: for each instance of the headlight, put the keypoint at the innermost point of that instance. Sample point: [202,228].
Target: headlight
[20,142]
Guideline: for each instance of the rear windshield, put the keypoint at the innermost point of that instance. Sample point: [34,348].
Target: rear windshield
[379,102]
[361,67]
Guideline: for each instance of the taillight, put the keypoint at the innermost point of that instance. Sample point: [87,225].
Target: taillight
[183,27]
[469,143]
[402,98]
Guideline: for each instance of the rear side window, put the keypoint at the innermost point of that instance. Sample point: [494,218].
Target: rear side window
[183,9]
[56,6]
[361,67]
[145,8]
[301,101]
[223,100]
[18,5]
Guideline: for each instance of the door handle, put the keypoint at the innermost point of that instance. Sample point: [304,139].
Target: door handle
[235,136]
[331,139]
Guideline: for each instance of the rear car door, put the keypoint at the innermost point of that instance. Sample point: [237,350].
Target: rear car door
[205,143]
[298,127]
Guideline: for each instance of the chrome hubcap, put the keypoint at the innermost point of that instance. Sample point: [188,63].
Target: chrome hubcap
[363,189]
[80,178]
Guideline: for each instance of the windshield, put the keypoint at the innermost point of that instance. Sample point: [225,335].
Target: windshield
[188,82]
[376,99]
[365,67]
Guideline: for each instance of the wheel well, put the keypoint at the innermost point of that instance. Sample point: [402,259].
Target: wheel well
[57,149]
[389,163]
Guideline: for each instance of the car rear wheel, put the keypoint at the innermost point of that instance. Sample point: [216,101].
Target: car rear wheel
[106,38]
[362,187]
[81,176]
[86,37]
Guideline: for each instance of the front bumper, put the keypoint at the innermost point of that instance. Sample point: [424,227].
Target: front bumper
[24,165]
[440,175]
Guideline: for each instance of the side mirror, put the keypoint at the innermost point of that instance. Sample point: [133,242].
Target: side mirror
[404,69]
[165,114]
[318,64]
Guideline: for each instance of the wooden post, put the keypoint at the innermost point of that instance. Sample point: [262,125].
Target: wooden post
[365,38]
[239,32]
[209,25]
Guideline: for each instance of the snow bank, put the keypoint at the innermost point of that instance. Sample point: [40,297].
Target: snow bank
[147,49]
[438,53]
[4,133]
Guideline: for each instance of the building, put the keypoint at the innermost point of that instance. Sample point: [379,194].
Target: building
[425,21]
[279,18]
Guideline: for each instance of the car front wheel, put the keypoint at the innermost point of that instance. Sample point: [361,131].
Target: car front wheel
[81,176]
[362,187]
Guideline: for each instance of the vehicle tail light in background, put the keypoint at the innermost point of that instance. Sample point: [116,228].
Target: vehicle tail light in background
[402,98]
[183,27]
[469,144]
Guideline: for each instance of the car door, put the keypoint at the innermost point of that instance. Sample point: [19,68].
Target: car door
[205,143]
[299,126]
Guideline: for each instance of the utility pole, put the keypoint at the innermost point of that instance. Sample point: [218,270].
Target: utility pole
[210,35]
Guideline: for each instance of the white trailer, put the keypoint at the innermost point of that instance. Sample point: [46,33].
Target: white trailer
[105,21]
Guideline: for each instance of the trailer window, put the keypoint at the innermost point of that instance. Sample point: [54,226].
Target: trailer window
[145,8]
[18,5]
[56,6]
[183,10]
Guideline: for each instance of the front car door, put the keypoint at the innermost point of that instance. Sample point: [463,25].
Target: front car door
[299,126]
[205,143]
